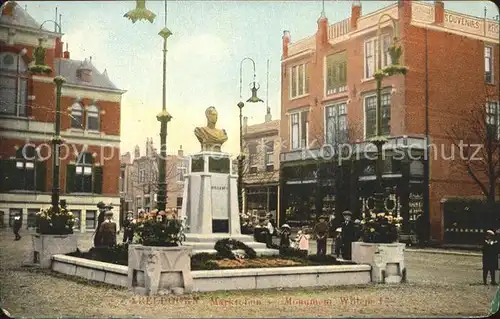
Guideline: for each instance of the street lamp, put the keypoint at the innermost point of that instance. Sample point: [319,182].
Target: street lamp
[39,67]
[254,87]
[163,117]
[395,68]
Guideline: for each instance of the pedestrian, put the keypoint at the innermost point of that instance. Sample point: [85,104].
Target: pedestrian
[269,233]
[285,236]
[337,243]
[17,226]
[303,240]
[348,235]
[321,234]
[108,231]
[128,226]
[100,219]
[490,257]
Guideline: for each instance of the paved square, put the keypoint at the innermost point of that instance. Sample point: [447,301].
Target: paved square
[438,285]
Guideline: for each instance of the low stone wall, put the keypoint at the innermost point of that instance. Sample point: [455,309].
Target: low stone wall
[231,279]
[92,270]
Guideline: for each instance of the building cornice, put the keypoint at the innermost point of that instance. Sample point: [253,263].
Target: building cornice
[36,31]
[300,55]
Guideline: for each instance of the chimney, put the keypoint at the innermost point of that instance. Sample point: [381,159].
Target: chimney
[180,152]
[8,8]
[245,124]
[58,48]
[286,43]
[66,53]
[355,14]
[322,33]
[438,12]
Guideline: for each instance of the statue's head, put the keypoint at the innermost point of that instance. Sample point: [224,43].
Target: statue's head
[211,114]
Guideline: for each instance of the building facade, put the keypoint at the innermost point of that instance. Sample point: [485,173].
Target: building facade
[329,99]
[261,170]
[89,158]
[141,178]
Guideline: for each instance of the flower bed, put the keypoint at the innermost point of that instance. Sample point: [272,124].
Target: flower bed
[203,261]
[50,222]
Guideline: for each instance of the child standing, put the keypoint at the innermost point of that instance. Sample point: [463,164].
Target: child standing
[303,240]
[490,257]
[337,242]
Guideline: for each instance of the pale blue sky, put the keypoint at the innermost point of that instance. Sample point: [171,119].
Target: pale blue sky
[209,40]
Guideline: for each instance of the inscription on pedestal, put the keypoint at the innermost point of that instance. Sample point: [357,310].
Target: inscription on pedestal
[197,164]
[219,165]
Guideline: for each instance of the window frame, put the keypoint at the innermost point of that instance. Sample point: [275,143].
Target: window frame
[491,63]
[93,111]
[301,142]
[252,157]
[75,109]
[365,118]
[28,173]
[386,58]
[268,159]
[79,176]
[19,73]
[295,79]
[94,220]
[496,116]
[336,137]
[31,217]
[335,90]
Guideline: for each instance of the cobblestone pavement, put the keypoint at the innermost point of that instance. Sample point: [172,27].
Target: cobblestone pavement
[438,285]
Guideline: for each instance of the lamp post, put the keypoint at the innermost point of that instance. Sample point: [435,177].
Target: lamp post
[253,99]
[39,67]
[379,141]
[163,117]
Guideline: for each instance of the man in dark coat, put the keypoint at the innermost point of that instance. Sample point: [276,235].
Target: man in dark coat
[128,226]
[490,257]
[348,235]
[321,234]
[100,219]
[17,226]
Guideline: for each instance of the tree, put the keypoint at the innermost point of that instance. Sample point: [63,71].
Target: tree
[477,137]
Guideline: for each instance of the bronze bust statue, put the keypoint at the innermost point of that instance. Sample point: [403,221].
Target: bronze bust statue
[210,137]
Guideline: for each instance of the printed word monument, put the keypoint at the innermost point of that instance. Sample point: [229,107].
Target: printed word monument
[211,194]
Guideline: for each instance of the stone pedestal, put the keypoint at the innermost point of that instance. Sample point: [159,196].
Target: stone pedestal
[211,204]
[159,270]
[386,260]
[45,246]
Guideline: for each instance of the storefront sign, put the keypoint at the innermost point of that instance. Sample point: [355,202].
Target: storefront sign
[416,205]
[422,12]
[492,29]
[220,197]
[462,23]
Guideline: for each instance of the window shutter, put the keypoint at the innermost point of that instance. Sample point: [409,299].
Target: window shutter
[70,178]
[98,179]
[41,171]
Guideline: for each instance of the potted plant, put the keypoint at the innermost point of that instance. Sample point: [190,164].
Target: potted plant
[157,261]
[54,234]
[379,247]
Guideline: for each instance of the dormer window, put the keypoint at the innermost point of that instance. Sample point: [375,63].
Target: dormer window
[76,116]
[93,118]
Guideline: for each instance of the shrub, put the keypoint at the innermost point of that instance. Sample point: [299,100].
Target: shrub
[114,255]
[292,252]
[225,247]
[49,222]
[160,231]
[204,261]
[380,228]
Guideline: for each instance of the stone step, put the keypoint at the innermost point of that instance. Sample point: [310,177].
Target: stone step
[259,251]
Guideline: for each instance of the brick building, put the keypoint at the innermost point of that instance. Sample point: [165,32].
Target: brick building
[328,97]
[140,176]
[261,170]
[90,126]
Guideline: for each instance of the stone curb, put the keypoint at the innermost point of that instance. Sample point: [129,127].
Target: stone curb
[444,252]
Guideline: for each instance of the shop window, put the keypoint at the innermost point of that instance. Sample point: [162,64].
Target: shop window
[31,220]
[78,218]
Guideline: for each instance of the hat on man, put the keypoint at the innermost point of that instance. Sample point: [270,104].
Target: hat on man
[490,232]
[101,205]
[285,226]
[347,213]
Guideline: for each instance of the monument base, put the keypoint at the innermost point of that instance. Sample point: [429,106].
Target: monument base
[205,243]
